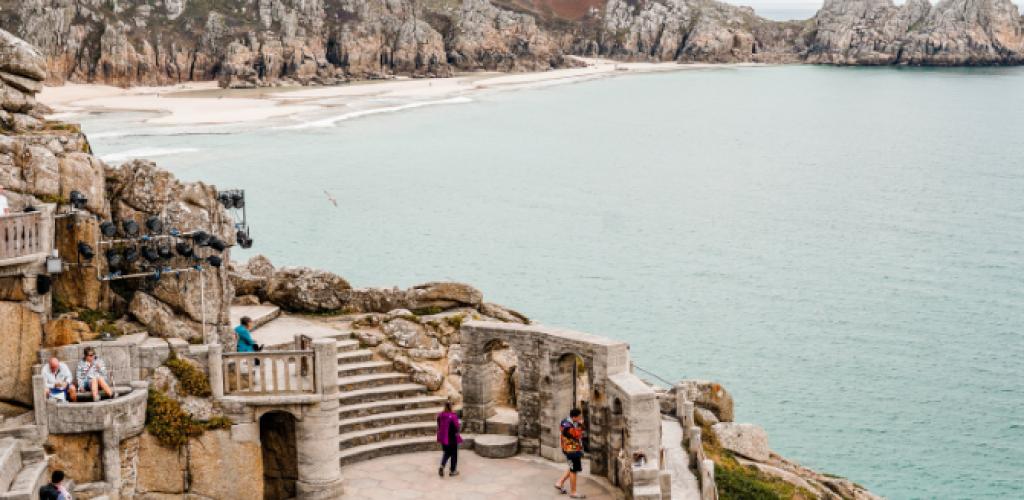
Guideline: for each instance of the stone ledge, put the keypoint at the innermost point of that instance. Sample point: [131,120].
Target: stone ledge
[496,446]
[128,412]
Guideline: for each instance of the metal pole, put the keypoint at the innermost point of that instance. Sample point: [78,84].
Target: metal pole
[202,303]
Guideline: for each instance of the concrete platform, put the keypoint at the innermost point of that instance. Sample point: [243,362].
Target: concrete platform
[414,475]
[505,421]
[260,315]
[496,446]
[283,329]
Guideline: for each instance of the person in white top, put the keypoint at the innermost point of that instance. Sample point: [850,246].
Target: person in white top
[4,208]
[57,378]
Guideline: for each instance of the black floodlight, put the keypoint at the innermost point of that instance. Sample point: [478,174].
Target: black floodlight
[108,229]
[237,199]
[78,200]
[131,254]
[243,240]
[225,199]
[217,244]
[214,260]
[164,251]
[183,249]
[154,225]
[201,238]
[131,228]
[151,254]
[114,260]
[43,283]
[85,251]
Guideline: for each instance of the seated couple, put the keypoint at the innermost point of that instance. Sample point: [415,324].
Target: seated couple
[91,375]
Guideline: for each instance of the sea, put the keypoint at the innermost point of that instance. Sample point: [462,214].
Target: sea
[842,248]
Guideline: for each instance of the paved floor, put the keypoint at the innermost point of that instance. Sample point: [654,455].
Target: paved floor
[684,483]
[414,475]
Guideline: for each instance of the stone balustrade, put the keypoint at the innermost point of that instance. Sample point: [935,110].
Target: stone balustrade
[26,239]
[694,445]
[268,372]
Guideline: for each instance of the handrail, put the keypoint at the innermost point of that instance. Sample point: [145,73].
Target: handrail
[655,375]
[291,352]
[21,235]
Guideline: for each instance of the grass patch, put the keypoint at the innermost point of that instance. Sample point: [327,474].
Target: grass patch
[192,380]
[428,311]
[456,320]
[172,426]
[94,318]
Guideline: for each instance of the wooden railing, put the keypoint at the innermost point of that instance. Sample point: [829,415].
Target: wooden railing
[268,372]
[21,235]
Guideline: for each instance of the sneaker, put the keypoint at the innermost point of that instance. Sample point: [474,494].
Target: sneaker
[440,471]
[453,473]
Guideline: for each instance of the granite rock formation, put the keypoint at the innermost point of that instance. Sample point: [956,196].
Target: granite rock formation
[251,43]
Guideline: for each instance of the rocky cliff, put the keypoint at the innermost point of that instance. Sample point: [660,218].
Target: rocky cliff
[246,43]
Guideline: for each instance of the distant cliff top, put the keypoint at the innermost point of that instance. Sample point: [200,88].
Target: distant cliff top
[247,43]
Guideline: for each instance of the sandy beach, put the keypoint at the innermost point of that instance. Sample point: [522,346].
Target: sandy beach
[203,103]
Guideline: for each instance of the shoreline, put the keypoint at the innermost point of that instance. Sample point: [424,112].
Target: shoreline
[204,103]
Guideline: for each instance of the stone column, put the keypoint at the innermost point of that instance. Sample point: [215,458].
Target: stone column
[112,454]
[216,370]
[317,448]
[474,391]
[325,362]
[708,490]
[694,444]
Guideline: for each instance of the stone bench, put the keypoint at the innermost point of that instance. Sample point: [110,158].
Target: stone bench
[496,445]
[128,410]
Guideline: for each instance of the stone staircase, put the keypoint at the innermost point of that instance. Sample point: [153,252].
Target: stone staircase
[22,469]
[382,412]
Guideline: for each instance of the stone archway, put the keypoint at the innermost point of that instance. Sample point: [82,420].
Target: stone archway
[280,456]
[502,386]
[570,387]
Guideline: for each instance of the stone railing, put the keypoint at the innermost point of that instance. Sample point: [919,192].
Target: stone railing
[695,447]
[23,238]
[272,373]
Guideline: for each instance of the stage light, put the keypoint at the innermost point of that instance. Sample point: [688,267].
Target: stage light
[131,228]
[225,199]
[43,283]
[214,260]
[164,251]
[217,244]
[238,199]
[108,229]
[154,225]
[243,240]
[131,255]
[183,249]
[114,260]
[151,254]
[85,251]
[201,238]
[78,200]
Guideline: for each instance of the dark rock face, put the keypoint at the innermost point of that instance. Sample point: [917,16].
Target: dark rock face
[248,43]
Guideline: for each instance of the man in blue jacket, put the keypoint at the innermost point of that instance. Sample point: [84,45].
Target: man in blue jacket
[245,340]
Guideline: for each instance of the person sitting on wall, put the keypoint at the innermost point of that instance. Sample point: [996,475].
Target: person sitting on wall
[92,375]
[57,378]
[245,340]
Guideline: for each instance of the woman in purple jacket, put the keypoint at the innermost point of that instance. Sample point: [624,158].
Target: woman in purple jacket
[448,436]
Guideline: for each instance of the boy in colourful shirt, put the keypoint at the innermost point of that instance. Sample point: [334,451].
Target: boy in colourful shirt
[571,436]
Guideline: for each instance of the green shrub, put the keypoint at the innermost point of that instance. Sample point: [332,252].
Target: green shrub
[456,320]
[428,311]
[167,422]
[218,422]
[192,380]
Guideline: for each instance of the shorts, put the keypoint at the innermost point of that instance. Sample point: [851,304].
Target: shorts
[575,459]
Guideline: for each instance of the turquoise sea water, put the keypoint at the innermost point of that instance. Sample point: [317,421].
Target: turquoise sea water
[842,248]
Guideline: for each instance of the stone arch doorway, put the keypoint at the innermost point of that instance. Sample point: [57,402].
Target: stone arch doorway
[501,369]
[280,456]
[571,388]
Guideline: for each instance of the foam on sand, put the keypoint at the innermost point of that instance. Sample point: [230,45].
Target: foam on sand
[330,122]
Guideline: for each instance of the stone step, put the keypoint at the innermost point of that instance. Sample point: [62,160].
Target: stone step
[347,345]
[365,368]
[391,432]
[10,462]
[428,414]
[356,382]
[260,315]
[28,481]
[380,393]
[356,356]
[647,492]
[395,447]
[389,405]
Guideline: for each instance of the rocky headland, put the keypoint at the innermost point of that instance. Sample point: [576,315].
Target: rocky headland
[270,42]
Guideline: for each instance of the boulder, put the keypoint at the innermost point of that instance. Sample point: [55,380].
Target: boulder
[77,287]
[160,469]
[160,319]
[504,358]
[710,395]
[369,338]
[307,290]
[427,376]
[84,173]
[252,277]
[443,295]
[12,288]
[65,331]
[21,335]
[246,300]
[405,333]
[748,440]
[199,408]
[220,467]
[502,313]
[18,57]
[78,455]
[704,416]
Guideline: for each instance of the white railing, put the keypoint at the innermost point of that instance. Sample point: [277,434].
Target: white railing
[268,372]
[21,235]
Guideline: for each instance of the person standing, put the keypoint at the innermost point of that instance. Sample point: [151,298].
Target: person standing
[57,378]
[244,333]
[449,437]
[92,375]
[5,209]
[571,434]
[55,489]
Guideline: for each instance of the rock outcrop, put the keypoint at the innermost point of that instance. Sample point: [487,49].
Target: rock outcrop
[252,43]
